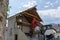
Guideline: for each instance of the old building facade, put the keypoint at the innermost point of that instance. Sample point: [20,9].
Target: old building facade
[14,31]
[3,12]
[20,24]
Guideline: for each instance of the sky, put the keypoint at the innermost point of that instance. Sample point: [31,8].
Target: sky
[48,10]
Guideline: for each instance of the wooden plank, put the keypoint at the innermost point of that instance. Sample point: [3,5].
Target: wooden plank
[23,23]
[27,14]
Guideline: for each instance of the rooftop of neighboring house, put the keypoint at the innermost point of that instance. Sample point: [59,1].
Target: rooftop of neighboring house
[57,27]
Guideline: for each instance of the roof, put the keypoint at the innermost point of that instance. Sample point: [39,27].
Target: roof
[29,14]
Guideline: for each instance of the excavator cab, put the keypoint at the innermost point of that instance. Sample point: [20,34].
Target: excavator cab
[45,27]
[48,31]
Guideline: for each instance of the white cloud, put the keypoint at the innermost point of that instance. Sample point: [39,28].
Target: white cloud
[46,6]
[53,12]
[30,4]
[47,2]
[51,15]
[57,1]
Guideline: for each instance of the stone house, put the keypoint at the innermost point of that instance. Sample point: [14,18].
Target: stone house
[3,12]
[21,22]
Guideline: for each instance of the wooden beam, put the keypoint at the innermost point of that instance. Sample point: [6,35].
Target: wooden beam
[26,23]
[25,13]
[23,23]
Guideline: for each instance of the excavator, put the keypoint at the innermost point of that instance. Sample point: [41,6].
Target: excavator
[48,31]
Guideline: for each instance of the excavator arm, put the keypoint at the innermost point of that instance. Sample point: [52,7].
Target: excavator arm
[39,25]
[35,23]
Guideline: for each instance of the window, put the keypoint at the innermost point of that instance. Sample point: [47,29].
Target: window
[1,1]
[48,27]
[10,31]
[0,29]
[20,20]
[19,17]
[44,28]
[1,18]
[16,37]
[0,38]
[19,26]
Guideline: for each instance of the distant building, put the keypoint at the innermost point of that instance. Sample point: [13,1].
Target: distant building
[57,27]
[21,21]
[3,12]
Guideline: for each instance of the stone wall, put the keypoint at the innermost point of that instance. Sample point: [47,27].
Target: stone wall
[3,12]
[14,31]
